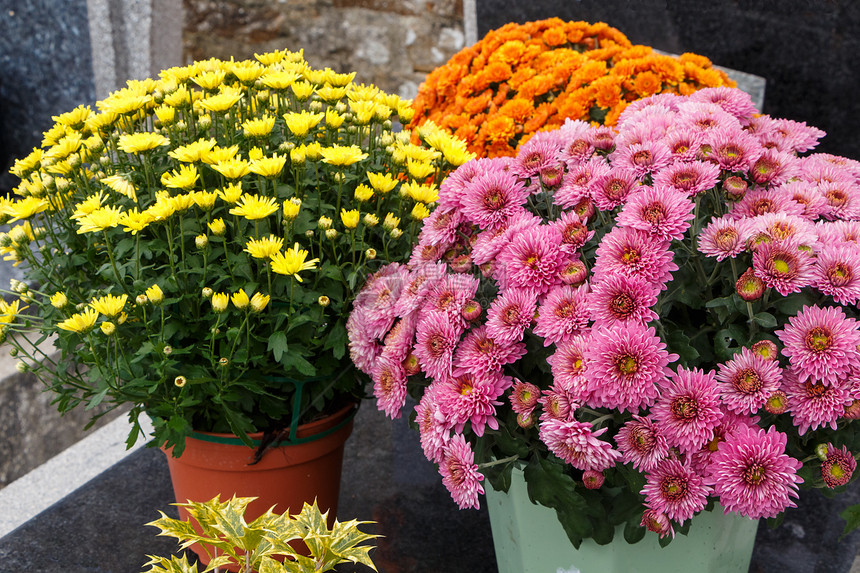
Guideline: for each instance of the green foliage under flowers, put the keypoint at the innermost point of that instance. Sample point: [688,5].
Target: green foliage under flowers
[192,248]
[221,531]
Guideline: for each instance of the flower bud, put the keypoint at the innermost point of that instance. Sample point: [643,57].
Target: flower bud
[526,420]
[13,352]
[471,310]
[323,301]
[838,466]
[370,254]
[735,188]
[324,223]
[777,403]
[657,522]
[574,273]
[219,301]
[766,349]
[309,233]
[259,301]
[108,327]
[22,367]
[240,299]
[140,300]
[749,287]
[331,234]
[59,300]
[168,350]
[223,362]
[370,219]
[395,233]
[201,241]
[461,263]
[180,381]
[217,227]
[411,366]
[852,411]
[821,451]
[155,294]
[592,479]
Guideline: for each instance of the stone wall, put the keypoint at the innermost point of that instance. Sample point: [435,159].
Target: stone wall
[390,43]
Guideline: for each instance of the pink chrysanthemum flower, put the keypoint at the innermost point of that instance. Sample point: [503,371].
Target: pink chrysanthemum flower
[537,154]
[784,227]
[734,101]
[641,443]
[532,260]
[783,266]
[479,354]
[557,403]
[573,230]
[658,523]
[510,314]
[436,337]
[642,158]
[577,146]
[425,253]
[759,202]
[493,198]
[733,150]
[634,252]
[691,177]
[664,102]
[647,118]
[364,348]
[685,144]
[618,298]
[660,211]
[379,296]
[838,466]
[838,232]
[612,189]
[524,396]
[579,183]
[674,489]
[813,404]
[441,228]
[576,444]
[729,424]
[389,385]
[568,366]
[837,272]
[842,200]
[625,364]
[602,137]
[452,189]
[705,117]
[432,431]
[562,314]
[688,409]
[752,475]
[746,381]
[418,284]
[774,168]
[460,474]
[489,243]
[449,296]
[470,398]
[851,166]
[724,237]
[821,343]
[807,196]
[793,136]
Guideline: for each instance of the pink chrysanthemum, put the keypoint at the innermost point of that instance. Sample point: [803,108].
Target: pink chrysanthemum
[470,398]
[532,260]
[489,243]
[436,337]
[418,284]
[658,523]
[389,385]
[774,168]
[783,266]
[641,443]
[733,150]
[612,189]
[685,144]
[734,101]
[642,158]
[449,295]
[851,166]
[510,314]
[747,380]
[568,366]
[660,211]
[784,227]
[688,409]
[452,189]
[691,177]
[813,404]
[674,489]
[576,444]
[705,118]
[573,230]
[524,396]
[838,232]
[634,252]
[821,343]
[441,228]
[752,475]
[378,297]
[759,201]
[838,466]
[493,198]
[793,136]
[536,155]
[729,424]
[643,120]
[724,237]
[837,272]
[841,200]
[425,253]
[479,354]
[664,102]
[460,474]
[558,403]
[364,348]
[431,430]
[577,146]
[619,298]
[579,183]
[807,196]
[625,363]
[602,137]
[562,314]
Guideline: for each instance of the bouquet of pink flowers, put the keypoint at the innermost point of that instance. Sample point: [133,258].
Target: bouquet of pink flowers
[645,320]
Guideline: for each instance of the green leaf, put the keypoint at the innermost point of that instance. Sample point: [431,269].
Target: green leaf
[551,487]
[679,343]
[633,532]
[277,344]
[298,362]
[851,515]
[766,320]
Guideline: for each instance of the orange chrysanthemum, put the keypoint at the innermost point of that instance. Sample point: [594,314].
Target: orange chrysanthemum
[523,78]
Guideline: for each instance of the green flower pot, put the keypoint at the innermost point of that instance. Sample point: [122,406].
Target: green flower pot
[529,539]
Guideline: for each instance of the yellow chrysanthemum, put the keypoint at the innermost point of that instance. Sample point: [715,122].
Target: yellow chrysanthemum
[292,262]
[231,193]
[223,101]
[363,193]
[259,301]
[342,155]
[422,193]
[291,208]
[59,300]
[183,178]
[219,154]
[183,202]
[76,118]
[142,141]
[88,205]
[382,182]
[333,119]
[9,311]
[121,185]
[67,145]
[313,150]
[298,155]
[234,168]
[265,247]
[179,98]
[109,305]
[420,212]
[300,123]
[258,127]
[25,208]
[134,222]
[331,94]
[247,71]
[240,299]
[205,199]
[99,220]
[165,114]
[268,166]
[23,167]
[162,209]
[349,218]
[192,152]
[219,301]
[210,80]
[278,79]
[254,207]
[154,294]
[217,227]
[302,90]
[420,169]
[81,322]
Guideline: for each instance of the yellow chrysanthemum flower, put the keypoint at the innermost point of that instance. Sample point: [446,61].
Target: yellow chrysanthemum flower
[162,209]
[333,120]
[291,208]
[109,305]
[183,202]
[313,150]
[382,182]
[278,79]
[231,193]
[99,220]
[258,127]
[420,169]
[331,94]
[165,114]
[302,90]
[155,294]
[23,167]
[194,151]
[219,301]
[265,247]
[371,219]
[423,193]
[240,299]
[217,227]
[76,118]
[300,123]
[420,212]
[9,311]
[179,98]
[247,71]
[183,178]
[218,154]
[259,301]
[59,300]
[134,222]
[88,205]
[81,322]
[298,155]
[121,185]
[25,208]
[268,166]
[205,199]
[349,218]
[67,145]
[342,155]
[292,262]
[363,193]
[234,168]
[210,80]
[254,207]
[223,101]
[142,141]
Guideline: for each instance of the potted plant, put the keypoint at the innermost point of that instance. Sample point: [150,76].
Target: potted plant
[191,250]
[631,333]
[524,78]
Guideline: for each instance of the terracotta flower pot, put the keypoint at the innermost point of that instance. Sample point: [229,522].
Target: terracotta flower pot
[287,475]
